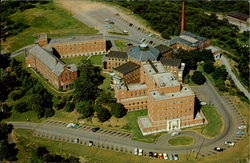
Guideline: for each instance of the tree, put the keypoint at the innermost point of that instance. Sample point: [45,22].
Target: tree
[21,107]
[7,151]
[103,114]
[48,112]
[104,98]
[5,129]
[4,111]
[198,78]
[220,73]
[208,67]
[85,108]
[118,110]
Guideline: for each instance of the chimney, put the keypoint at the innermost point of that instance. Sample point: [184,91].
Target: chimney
[183,17]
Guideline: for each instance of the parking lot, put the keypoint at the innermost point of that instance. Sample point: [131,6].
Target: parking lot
[88,129]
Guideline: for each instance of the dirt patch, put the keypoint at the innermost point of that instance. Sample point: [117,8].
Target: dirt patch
[77,7]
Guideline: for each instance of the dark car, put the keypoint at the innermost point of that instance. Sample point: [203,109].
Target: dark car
[150,154]
[130,24]
[218,149]
[95,129]
[151,42]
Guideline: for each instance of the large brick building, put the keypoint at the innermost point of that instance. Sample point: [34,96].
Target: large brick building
[188,41]
[50,67]
[75,45]
[146,83]
[42,59]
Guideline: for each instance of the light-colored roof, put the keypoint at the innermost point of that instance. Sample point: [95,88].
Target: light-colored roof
[77,38]
[166,79]
[212,48]
[134,98]
[51,61]
[185,91]
[136,86]
[150,70]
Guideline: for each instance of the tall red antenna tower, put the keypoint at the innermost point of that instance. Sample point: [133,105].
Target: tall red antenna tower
[183,17]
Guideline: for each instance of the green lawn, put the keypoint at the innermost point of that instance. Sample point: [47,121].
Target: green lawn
[48,18]
[181,140]
[215,124]
[106,83]
[121,45]
[96,60]
[75,60]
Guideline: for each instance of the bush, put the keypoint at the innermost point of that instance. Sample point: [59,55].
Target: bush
[69,107]
[103,114]
[21,107]
[208,67]
[16,94]
[48,112]
[85,108]
[118,110]
[198,78]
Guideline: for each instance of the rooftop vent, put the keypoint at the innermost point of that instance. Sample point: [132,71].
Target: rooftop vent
[143,46]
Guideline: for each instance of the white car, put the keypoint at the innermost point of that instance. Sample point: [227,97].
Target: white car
[203,103]
[136,151]
[140,152]
[229,143]
[91,143]
[241,127]
[165,155]
[125,31]
[175,134]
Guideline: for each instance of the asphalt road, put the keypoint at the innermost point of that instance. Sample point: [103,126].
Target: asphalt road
[236,81]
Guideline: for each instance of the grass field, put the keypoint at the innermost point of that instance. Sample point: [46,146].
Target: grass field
[121,45]
[75,60]
[215,124]
[96,60]
[181,140]
[48,18]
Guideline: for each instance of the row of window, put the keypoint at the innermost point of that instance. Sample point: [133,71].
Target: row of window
[114,59]
[137,103]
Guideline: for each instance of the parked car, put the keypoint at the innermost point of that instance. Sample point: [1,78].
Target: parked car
[203,103]
[151,42]
[240,132]
[150,154]
[165,155]
[218,149]
[229,143]
[136,151]
[155,155]
[95,129]
[171,156]
[176,157]
[241,127]
[130,24]
[140,152]
[91,143]
[72,125]
[151,35]
[124,31]
[129,44]
[160,156]
[175,133]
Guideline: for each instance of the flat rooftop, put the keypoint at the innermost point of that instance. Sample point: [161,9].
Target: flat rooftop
[77,38]
[166,79]
[149,69]
[185,91]
[134,98]
[136,86]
